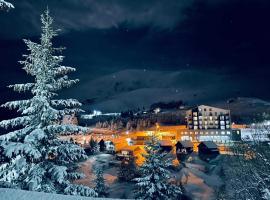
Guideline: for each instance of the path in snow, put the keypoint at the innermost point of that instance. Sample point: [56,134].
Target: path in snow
[116,189]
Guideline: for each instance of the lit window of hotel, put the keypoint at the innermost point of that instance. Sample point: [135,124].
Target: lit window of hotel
[223,132]
[228,133]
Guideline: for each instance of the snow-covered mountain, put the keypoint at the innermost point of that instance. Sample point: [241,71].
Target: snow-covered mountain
[130,89]
[246,110]
[134,88]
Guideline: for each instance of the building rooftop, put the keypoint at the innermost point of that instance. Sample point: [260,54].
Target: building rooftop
[209,144]
[186,143]
[165,143]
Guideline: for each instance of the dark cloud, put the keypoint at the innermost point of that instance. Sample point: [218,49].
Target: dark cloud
[227,40]
[97,14]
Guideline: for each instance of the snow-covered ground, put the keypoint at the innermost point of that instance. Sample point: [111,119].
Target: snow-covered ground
[199,183]
[116,189]
[12,194]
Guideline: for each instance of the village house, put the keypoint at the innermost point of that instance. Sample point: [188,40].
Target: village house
[208,147]
[184,147]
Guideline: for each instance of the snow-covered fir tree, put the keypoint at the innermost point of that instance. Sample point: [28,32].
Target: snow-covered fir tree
[154,181]
[94,147]
[127,170]
[100,188]
[5,5]
[36,158]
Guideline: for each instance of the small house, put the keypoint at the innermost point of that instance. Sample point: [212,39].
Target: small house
[130,152]
[166,145]
[208,147]
[109,147]
[184,147]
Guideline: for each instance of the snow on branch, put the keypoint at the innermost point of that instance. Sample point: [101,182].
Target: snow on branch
[19,121]
[22,87]
[80,190]
[16,148]
[66,102]
[16,104]
[66,129]
[15,134]
[58,173]
[5,5]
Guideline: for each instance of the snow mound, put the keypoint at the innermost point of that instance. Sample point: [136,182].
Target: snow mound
[11,194]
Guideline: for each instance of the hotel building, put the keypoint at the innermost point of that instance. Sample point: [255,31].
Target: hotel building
[206,117]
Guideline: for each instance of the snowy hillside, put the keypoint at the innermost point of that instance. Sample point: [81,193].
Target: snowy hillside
[246,110]
[12,194]
[136,88]
[130,89]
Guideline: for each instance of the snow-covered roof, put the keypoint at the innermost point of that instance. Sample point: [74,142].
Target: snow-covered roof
[186,143]
[11,194]
[165,143]
[209,144]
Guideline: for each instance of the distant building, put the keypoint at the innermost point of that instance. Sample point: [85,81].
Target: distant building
[206,117]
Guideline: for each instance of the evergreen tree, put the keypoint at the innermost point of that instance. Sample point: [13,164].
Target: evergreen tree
[102,146]
[37,159]
[127,170]
[94,147]
[100,187]
[154,185]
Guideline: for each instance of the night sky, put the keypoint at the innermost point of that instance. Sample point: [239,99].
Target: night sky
[133,53]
